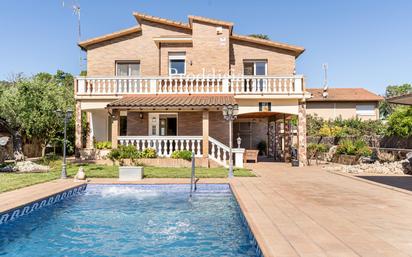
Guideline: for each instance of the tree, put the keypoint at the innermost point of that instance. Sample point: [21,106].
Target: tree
[261,36]
[400,122]
[30,105]
[385,108]
[9,111]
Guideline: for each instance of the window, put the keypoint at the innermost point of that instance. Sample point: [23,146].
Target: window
[365,109]
[255,68]
[123,123]
[177,63]
[127,69]
[265,106]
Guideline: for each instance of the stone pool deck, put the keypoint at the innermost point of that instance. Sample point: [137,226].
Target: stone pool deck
[298,211]
[311,212]
[12,199]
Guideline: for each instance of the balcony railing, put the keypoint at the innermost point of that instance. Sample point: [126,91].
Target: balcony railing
[247,85]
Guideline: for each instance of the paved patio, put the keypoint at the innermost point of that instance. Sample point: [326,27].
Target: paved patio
[299,211]
[311,212]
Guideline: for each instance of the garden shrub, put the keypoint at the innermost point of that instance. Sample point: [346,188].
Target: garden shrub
[314,150]
[183,154]
[364,151]
[349,147]
[124,152]
[103,145]
[346,146]
[149,153]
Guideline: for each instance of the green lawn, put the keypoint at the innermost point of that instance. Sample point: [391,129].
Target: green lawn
[11,181]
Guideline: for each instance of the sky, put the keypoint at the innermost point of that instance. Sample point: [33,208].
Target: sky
[365,43]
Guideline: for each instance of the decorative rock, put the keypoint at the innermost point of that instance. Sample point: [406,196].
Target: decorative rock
[28,166]
[399,167]
[80,174]
[331,153]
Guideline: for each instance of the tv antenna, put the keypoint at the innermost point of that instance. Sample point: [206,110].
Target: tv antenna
[76,11]
[325,80]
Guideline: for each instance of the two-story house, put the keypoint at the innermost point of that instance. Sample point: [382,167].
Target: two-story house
[164,84]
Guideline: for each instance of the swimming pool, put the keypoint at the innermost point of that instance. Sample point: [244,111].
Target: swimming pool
[134,220]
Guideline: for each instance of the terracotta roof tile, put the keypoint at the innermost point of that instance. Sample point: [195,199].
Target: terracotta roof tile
[173,101]
[342,95]
[209,20]
[141,16]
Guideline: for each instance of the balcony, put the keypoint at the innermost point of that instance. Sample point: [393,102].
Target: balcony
[237,85]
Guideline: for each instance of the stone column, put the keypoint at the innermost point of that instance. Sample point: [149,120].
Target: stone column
[271,137]
[205,138]
[90,134]
[78,129]
[278,139]
[115,127]
[302,134]
[288,138]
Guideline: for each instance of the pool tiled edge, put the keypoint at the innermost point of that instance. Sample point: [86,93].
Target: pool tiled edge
[17,212]
[252,233]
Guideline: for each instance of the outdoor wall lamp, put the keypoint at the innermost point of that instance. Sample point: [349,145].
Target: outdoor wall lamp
[239,141]
[141,115]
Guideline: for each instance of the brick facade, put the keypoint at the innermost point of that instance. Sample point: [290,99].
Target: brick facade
[137,126]
[219,127]
[280,62]
[209,52]
[189,124]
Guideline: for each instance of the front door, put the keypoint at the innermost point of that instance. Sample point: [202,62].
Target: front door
[168,126]
[162,124]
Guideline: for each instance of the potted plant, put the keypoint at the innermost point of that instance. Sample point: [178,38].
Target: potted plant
[129,168]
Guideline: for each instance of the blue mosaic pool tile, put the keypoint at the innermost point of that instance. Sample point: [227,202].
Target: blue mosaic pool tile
[18,212]
[201,188]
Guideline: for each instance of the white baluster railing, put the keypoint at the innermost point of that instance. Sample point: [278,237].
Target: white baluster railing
[218,152]
[164,145]
[252,85]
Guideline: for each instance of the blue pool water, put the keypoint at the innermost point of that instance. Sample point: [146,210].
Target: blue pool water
[134,220]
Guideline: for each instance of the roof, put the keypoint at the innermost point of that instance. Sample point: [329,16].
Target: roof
[296,49]
[405,99]
[173,101]
[211,21]
[140,17]
[113,35]
[343,95]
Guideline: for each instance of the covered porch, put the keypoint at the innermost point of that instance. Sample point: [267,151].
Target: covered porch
[193,123]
